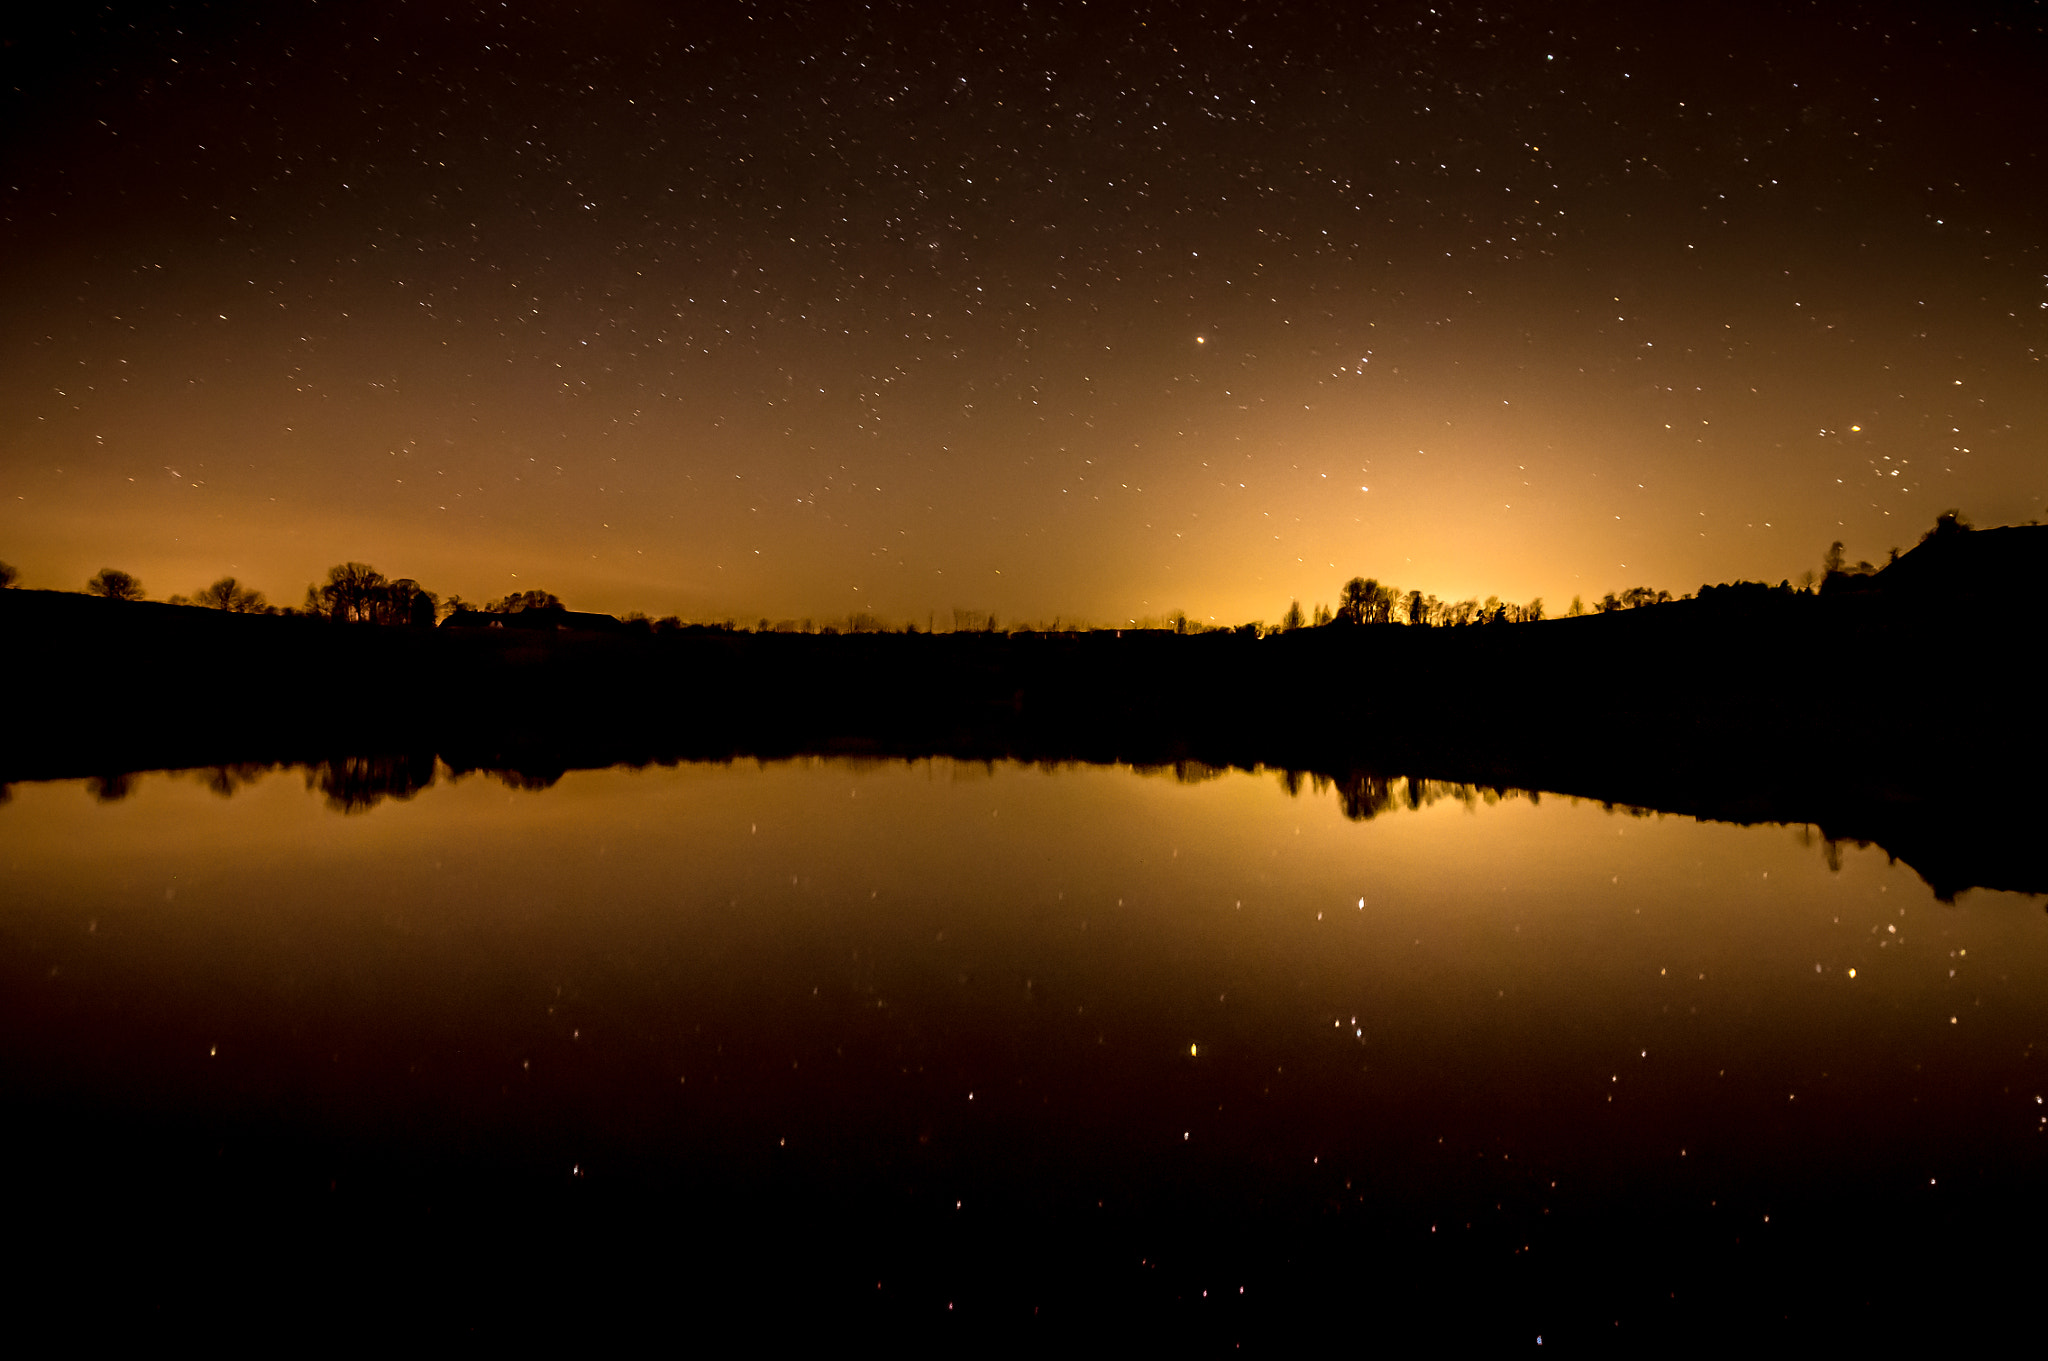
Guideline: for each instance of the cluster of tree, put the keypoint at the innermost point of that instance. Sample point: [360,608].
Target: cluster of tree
[353,593]
[1634,598]
[1749,590]
[356,593]
[520,602]
[1295,619]
[1362,600]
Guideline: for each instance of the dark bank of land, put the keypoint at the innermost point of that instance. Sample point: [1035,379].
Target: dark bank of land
[1900,707]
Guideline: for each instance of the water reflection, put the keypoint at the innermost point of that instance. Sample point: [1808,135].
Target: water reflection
[1992,855]
[1010,1036]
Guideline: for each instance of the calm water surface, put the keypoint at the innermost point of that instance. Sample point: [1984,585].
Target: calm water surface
[1004,1041]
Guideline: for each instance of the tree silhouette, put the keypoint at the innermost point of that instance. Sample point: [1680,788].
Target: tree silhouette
[405,602]
[8,575]
[1946,525]
[519,602]
[351,593]
[1365,601]
[111,788]
[232,596]
[114,584]
[1634,598]
[1351,600]
[1292,619]
[356,593]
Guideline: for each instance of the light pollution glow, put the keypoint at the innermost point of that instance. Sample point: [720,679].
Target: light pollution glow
[794,313]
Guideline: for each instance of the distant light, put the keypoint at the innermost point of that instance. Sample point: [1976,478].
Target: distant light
[1201,340]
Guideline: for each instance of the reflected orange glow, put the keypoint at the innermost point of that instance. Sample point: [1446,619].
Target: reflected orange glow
[974,985]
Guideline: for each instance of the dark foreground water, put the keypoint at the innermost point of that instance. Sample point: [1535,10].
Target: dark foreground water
[826,1044]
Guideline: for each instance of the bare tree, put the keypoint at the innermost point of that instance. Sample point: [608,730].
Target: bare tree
[1351,598]
[114,584]
[351,593]
[1292,619]
[232,596]
[1364,600]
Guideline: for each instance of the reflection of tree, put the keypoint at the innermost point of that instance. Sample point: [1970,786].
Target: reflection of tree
[1364,795]
[356,784]
[110,788]
[226,780]
[529,781]
[114,584]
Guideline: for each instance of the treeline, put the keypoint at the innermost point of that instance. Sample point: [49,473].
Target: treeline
[1364,600]
[356,593]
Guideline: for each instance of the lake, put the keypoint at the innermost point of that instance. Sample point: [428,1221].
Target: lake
[1000,1046]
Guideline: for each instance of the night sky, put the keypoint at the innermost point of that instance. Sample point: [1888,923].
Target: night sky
[1058,310]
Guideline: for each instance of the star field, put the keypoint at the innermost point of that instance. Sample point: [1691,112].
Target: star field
[1056,310]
